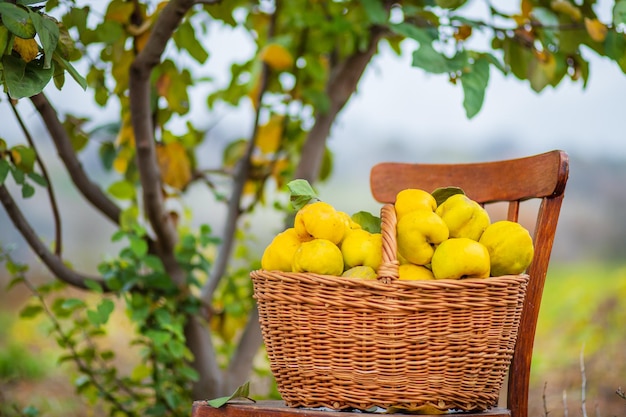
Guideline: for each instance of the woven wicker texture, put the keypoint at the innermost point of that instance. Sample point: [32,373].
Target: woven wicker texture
[350,343]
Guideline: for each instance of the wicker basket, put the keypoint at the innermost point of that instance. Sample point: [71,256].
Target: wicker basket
[349,343]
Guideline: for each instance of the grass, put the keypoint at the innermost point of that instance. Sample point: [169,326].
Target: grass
[581,328]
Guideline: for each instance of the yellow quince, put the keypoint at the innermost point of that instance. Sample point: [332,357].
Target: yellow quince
[360,271]
[318,256]
[510,247]
[278,255]
[320,220]
[412,199]
[418,232]
[412,272]
[360,247]
[463,216]
[460,257]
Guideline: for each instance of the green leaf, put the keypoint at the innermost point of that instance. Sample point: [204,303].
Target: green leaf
[474,84]
[619,12]
[4,170]
[548,19]
[17,20]
[25,79]
[101,315]
[427,58]
[188,373]
[139,246]
[517,57]
[31,311]
[416,33]
[30,411]
[27,190]
[443,193]
[367,221]
[15,281]
[48,33]
[70,69]
[301,193]
[37,179]
[73,304]
[185,39]
[93,286]
[26,159]
[141,372]
[122,190]
[4,39]
[18,175]
[242,392]
[450,4]
[375,11]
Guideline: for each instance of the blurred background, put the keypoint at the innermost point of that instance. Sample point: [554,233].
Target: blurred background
[398,114]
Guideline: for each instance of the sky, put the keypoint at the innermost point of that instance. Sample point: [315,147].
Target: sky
[396,99]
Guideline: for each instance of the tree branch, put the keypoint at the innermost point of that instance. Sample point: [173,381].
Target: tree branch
[342,84]
[211,383]
[247,348]
[242,172]
[197,335]
[89,189]
[140,94]
[58,236]
[54,263]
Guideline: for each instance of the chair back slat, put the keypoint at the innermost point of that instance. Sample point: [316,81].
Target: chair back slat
[513,213]
[540,177]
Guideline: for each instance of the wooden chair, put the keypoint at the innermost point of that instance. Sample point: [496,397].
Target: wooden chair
[540,177]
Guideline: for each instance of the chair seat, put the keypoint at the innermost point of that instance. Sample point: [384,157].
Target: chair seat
[269,408]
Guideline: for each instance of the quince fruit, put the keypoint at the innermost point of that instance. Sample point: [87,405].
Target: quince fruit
[278,255]
[418,232]
[360,247]
[510,247]
[460,257]
[348,222]
[361,271]
[412,272]
[320,220]
[318,256]
[412,199]
[463,216]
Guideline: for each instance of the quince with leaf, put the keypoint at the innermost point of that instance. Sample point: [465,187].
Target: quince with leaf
[463,216]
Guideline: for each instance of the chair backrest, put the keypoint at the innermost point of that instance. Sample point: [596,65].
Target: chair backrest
[540,177]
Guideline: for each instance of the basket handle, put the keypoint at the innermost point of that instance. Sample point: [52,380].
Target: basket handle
[388,270]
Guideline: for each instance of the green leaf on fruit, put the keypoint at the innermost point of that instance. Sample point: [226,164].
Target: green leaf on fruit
[242,392]
[367,221]
[301,193]
[443,193]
